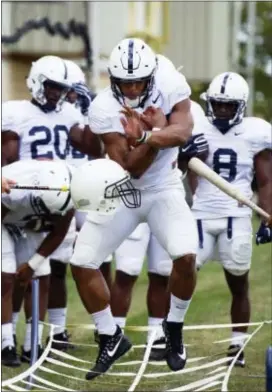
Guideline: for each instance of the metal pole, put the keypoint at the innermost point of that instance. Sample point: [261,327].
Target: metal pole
[250,54]
[34,326]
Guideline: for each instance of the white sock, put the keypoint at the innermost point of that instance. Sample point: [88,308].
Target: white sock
[154,321]
[57,317]
[238,338]
[104,322]
[7,338]
[40,334]
[178,309]
[27,341]
[15,317]
[121,321]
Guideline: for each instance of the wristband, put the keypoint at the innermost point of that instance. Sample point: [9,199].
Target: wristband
[145,136]
[36,261]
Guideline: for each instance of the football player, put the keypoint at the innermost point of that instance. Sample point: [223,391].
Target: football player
[34,223]
[239,146]
[44,128]
[41,128]
[159,103]
[57,302]
[130,255]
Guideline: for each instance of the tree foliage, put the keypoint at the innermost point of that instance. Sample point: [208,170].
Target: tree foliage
[263,58]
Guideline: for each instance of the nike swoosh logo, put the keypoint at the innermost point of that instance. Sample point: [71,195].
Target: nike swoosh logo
[239,133]
[185,149]
[155,100]
[183,355]
[112,352]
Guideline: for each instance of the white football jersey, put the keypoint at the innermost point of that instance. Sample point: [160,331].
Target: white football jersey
[75,157]
[22,204]
[42,135]
[232,157]
[197,112]
[169,89]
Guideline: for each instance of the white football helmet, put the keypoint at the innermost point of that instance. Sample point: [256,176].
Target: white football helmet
[55,174]
[99,185]
[75,73]
[226,100]
[51,69]
[130,61]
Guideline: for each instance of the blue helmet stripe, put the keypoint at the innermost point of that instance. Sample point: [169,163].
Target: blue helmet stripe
[65,70]
[130,56]
[223,87]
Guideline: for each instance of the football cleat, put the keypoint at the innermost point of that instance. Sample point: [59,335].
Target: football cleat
[26,355]
[158,351]
[232,352]
[62,341]
[9,357]
[175,351]
[111,348]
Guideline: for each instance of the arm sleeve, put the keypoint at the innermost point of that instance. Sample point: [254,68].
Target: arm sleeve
[180,90]
[102,122]
[261,134]
[10,117]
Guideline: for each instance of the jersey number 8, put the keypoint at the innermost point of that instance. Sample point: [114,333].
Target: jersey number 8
[225,163]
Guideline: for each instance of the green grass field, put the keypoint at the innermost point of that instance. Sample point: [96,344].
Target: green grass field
[210,305]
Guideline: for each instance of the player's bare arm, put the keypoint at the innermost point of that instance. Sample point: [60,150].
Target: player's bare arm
[263,171]
[86,141]
[135,161]
[178,130]
[50,243]
[176,133]
[10,147]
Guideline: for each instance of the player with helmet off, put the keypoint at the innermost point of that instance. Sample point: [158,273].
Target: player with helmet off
[158,120]
[34,223]
[239,147]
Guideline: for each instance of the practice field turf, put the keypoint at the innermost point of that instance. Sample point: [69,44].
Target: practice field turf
[210,305]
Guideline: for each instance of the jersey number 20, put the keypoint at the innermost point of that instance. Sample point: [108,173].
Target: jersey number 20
[51,139]
[225,163]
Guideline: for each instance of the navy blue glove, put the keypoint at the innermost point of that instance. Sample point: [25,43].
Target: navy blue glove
[196,145]
[264,234]
[85,96]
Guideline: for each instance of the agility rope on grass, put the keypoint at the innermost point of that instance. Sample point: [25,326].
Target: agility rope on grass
[215,377]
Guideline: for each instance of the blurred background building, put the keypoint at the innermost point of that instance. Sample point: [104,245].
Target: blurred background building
[205,37]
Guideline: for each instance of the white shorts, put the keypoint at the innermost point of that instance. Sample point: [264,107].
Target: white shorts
[130,255]
[227,240]
[80,219]
[64,252]
[20,251]
[167,215]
